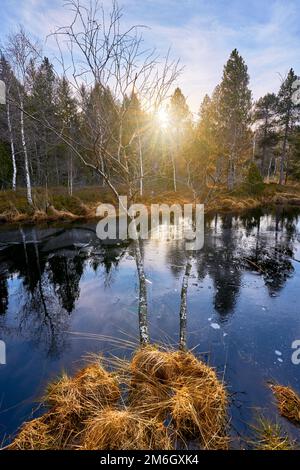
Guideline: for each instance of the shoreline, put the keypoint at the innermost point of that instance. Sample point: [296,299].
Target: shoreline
[83,204]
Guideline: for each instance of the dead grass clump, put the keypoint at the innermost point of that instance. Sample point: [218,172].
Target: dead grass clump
[199,410]
[150,398]
[92,386]
[162,392]
[178,385]
[64,397]
[113,429]
[269,436]
[288,402]
[97,386]
[151,363]
[33,435]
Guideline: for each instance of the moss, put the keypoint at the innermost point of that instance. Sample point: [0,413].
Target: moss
[270,436]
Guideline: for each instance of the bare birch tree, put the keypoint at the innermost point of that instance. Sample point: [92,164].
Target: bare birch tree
[22,54]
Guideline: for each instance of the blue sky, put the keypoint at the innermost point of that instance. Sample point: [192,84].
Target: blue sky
[202,33]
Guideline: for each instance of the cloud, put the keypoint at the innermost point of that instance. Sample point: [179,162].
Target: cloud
[201,33]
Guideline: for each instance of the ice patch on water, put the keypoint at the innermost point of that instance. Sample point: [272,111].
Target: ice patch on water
[215,326]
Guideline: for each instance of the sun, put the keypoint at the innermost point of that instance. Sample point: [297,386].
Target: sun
[163,118]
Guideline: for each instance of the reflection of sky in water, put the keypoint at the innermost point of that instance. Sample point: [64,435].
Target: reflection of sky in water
[56,292]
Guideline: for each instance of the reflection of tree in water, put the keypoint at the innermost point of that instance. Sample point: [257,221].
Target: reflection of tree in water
[51,284]
[42,319]
[3,295]
[65,274]
[51,276]
[217,260]
[273,250]
[252,241]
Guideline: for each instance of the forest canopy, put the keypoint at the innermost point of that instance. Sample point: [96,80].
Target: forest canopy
[113,116]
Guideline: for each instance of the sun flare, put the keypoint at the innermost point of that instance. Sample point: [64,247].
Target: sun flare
[163,118]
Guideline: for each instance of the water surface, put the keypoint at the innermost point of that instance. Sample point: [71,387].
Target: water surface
[59,284]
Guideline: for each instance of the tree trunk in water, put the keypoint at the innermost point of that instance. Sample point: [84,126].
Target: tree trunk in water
[183,306]
[143,306]
[12,147]
[27,174]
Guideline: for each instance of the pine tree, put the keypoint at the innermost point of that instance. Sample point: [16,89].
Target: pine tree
[180,118]
[265,113]
[235,108]
[288,112]
[67,123]
[41,102]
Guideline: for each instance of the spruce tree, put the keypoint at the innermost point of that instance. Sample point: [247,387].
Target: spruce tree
[180,118]
[235,108]
[265,114]
[288,111]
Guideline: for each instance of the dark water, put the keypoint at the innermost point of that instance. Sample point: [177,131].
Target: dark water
[58,285]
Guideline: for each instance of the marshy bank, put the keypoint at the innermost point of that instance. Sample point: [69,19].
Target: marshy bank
[158,400]
[56,204]
[62,291]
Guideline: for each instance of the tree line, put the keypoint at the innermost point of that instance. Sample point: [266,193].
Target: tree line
[95,119]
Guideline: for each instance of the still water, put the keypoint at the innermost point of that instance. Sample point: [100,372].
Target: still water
[63,294]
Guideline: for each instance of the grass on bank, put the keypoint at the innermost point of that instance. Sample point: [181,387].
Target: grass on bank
[288,402]
[270,436]
[158,400]
[56,204]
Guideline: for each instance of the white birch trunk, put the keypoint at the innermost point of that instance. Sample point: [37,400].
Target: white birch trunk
[12,147]
[183,306]
[143,305]
[27,173]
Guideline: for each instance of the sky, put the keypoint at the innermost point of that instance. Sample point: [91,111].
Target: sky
[202,33]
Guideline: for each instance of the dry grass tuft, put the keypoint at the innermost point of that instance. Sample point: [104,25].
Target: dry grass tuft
[113,429]
[130,409]
[269,436]
[34,435]
[288,402]
[198,408]
[178,385]
[153,364]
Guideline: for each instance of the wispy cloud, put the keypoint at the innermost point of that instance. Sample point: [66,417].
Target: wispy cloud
[201,33]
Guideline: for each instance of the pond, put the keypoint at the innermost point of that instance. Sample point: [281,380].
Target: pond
[65,294]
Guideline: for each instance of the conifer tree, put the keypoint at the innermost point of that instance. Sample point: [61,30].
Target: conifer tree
[235,108]
[179,116]
[288,111]
[265,114]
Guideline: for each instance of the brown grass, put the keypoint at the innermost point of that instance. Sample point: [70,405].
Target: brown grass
[56,204]
[114,429]
[34,435]
[178,385]
[288,402]
[129,409]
